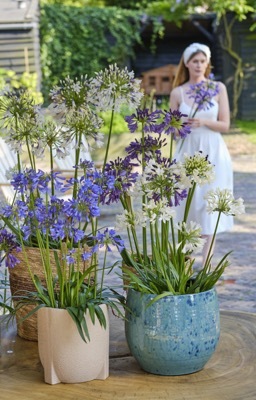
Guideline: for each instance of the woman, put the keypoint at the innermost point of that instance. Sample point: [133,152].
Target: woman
[206,125]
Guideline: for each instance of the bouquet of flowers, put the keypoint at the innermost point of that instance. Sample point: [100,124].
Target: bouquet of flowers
[202,93]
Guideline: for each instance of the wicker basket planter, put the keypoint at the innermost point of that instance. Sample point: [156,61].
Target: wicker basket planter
[20,282]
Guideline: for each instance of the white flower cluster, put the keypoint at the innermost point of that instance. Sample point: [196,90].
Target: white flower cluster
[127,220]
[159,211]
[222,200]
[200,170]
[113,87]
[191,234]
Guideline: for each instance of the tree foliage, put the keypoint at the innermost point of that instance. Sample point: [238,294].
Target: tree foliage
[174,11]
[76,41]
[83,36]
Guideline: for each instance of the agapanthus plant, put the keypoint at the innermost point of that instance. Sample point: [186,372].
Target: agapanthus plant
[66,228]
[159,252]
[57,213]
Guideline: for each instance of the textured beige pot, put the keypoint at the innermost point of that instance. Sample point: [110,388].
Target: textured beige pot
[64,355]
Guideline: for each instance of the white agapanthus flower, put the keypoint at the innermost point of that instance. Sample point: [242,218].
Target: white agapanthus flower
[70,94]
[159,211]
[222,200]
[167,213]
[39,149]
[191,237]
[121,222]
[114,87]
[137,191]
[127,220]
[199,168]
[153,168]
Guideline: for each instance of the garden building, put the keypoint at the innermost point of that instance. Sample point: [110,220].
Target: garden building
[19,36]
[202,29]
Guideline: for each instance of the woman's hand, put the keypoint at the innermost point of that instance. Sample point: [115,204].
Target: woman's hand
[196,122]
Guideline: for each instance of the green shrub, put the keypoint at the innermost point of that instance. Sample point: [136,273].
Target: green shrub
[25,81]
[79,41]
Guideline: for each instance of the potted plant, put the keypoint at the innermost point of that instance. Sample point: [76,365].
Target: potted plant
[172,322]
[54,240]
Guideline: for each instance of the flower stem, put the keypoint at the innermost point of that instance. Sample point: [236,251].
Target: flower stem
[51,165]
[109,134]
[212,241]
[189,200]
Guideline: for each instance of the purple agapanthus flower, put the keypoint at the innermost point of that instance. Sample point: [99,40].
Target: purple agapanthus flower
[69,257]
[8,244]
[203,93]
[30,180]
[173,124]
[109,237]
[148,120]
[123,177]
[150,147]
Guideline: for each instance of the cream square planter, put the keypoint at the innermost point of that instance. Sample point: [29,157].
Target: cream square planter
[64,355]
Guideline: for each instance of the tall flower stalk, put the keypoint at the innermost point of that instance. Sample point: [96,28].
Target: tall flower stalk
[112,88]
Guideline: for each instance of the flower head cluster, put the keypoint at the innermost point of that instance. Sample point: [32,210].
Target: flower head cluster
[118,180]
[70,94]
[203,93]
[131,219]
[191,237]
[158,211]
[114,87]
[159,122]
[222,200]
[8,244]
[143,118]
[199,168]
[63,219]
[30,180]
[150,148]
[173,124]
[21,120]
[161,181]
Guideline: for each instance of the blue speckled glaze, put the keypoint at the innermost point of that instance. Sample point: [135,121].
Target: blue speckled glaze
[176,335]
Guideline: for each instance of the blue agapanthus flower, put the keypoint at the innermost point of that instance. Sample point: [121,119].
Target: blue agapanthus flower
[8,244]
[121,175]
[109,237]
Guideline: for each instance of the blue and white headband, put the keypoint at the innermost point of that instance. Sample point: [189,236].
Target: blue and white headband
[194,48]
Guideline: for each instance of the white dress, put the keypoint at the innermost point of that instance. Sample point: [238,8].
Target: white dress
[212,144]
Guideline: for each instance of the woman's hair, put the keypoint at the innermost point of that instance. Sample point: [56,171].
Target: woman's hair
[182,74]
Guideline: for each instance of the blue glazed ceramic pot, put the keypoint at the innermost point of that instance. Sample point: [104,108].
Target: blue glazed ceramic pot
[176,335]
